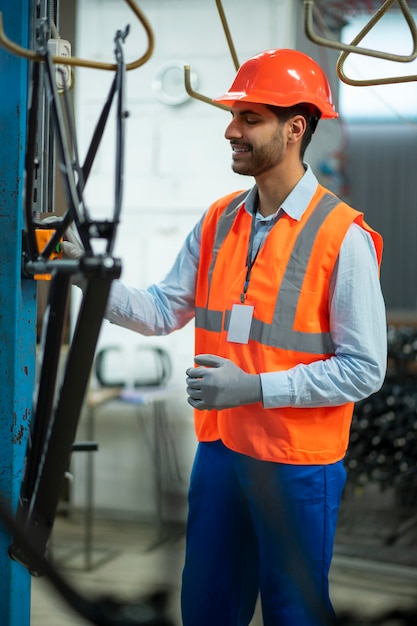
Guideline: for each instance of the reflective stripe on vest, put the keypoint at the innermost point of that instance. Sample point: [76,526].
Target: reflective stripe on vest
[279,333]
[224,225]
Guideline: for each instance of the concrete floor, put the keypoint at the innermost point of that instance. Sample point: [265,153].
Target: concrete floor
[128,562]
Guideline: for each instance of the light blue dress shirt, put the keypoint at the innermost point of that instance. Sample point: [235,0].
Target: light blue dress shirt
[357,312]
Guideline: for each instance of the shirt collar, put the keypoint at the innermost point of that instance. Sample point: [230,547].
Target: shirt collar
[295,203]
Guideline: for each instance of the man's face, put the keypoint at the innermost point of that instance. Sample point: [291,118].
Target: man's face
[256,137]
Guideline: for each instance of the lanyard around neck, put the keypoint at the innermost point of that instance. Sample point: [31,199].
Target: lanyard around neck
[250,260]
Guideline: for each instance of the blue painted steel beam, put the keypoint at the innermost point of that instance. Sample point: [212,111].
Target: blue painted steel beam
[17,305]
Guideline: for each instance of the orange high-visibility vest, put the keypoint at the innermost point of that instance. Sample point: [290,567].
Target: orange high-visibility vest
[289,288]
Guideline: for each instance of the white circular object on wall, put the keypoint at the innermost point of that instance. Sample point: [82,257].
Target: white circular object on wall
[169,85]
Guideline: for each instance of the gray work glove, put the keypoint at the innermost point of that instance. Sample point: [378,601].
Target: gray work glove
[220,384]
[72,248]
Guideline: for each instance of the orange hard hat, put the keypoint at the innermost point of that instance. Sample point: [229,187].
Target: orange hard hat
[281,78]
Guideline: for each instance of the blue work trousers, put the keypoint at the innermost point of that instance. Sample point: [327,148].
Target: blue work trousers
[259,527]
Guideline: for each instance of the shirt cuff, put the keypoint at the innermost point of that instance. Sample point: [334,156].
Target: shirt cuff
[275,389]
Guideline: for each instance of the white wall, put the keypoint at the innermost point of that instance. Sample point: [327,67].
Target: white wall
[177,163]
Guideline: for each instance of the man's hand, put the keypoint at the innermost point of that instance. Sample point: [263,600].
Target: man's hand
[220,384]
[72,248]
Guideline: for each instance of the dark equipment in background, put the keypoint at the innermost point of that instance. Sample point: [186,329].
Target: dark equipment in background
[383,441]
[382,450]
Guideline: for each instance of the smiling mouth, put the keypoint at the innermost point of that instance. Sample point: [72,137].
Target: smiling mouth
[238,150]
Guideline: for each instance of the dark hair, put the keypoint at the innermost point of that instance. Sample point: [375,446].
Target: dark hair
[310,114]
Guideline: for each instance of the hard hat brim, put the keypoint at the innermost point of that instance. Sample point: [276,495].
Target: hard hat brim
[262,97]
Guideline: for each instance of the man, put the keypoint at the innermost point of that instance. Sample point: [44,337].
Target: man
[290,331]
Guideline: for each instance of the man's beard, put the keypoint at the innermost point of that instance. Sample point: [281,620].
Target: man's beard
[262,159]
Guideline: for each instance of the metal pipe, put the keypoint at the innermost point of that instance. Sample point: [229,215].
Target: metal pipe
[347,49]
[31,55]
[195,94]
[227,33]
[187,68]
[383,80]
[352,47]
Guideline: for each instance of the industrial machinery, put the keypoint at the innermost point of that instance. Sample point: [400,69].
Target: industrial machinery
[57,402]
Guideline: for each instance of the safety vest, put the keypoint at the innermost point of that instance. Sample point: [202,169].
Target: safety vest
[289,288]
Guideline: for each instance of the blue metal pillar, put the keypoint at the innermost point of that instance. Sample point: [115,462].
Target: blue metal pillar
[17,305]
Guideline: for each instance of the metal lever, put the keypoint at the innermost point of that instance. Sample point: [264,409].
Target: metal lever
[14,48]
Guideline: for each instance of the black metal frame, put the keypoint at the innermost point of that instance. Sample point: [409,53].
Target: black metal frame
[58,403]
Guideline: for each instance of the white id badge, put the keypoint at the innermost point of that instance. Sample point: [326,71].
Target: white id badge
[240,323]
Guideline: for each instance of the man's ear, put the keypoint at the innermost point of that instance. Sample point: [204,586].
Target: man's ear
[297,127]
